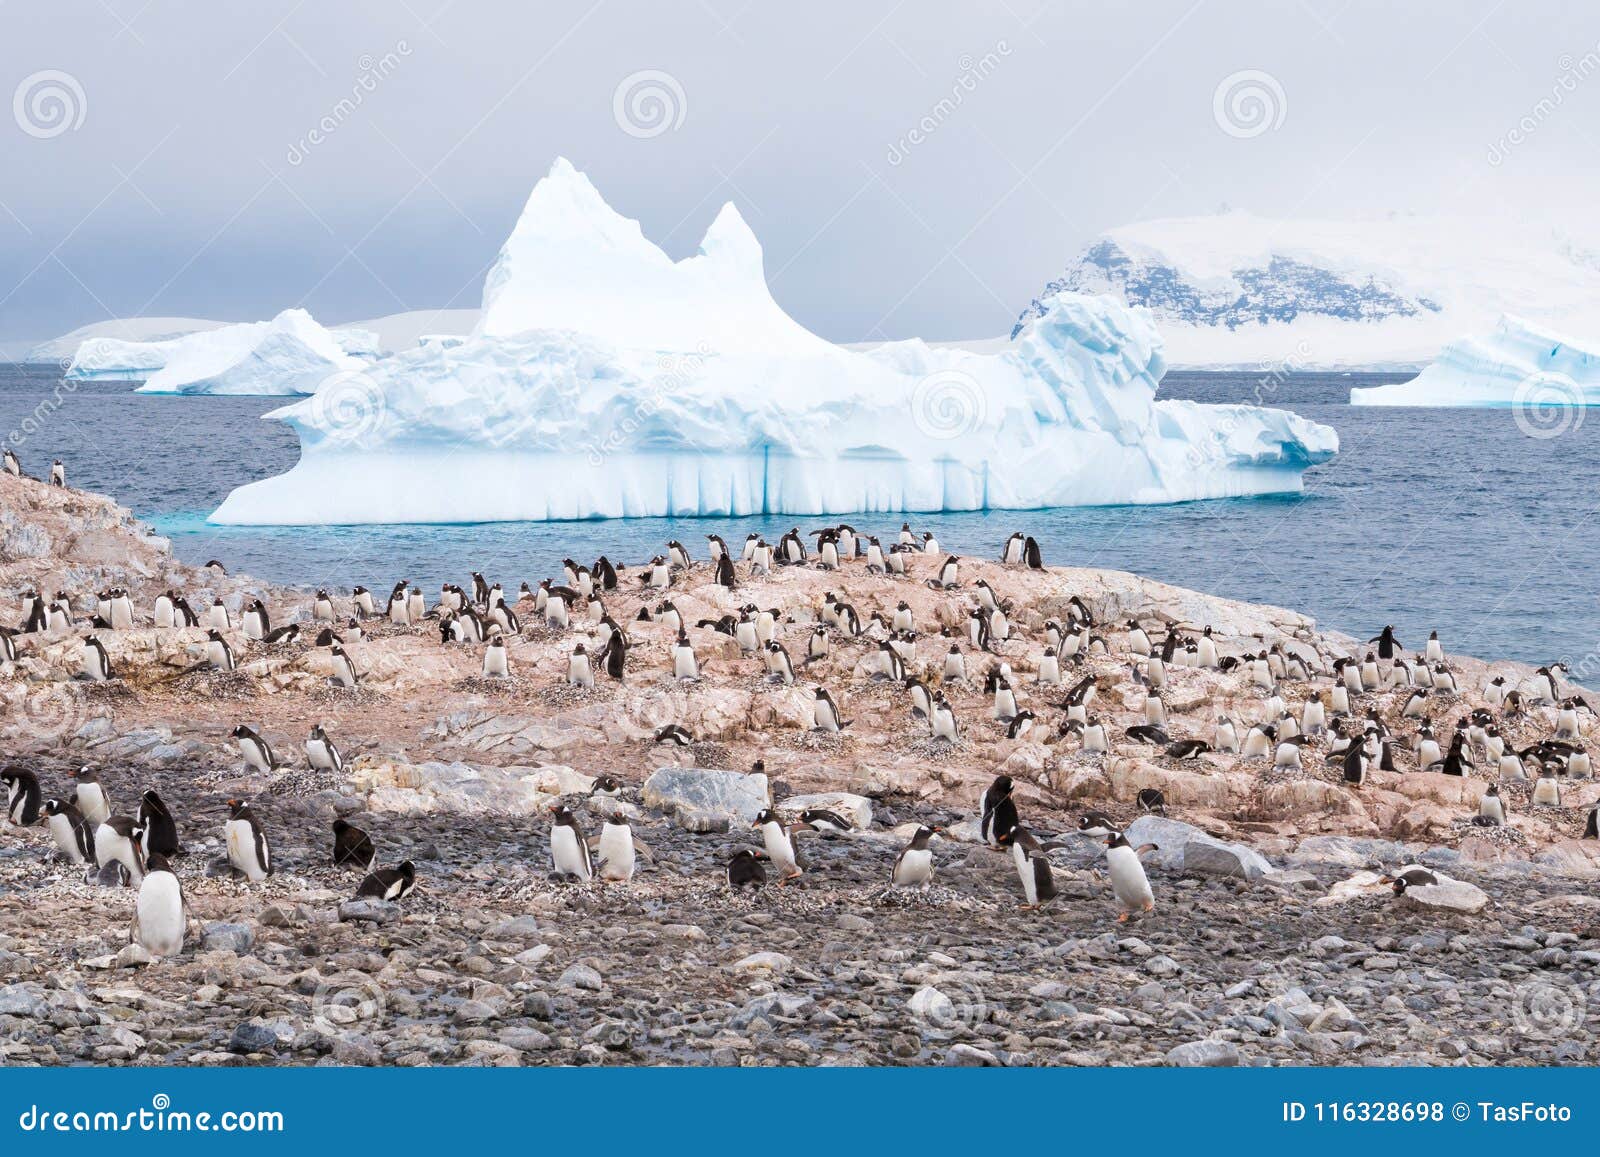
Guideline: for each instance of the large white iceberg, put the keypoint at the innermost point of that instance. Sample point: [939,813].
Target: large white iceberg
[605,380]
[291,354]
[1520,364]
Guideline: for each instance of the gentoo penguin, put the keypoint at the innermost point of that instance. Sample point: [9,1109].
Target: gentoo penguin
[352,847]
[942,721]
[73,838]
[579,673]
[1413,878]
[118,840]
[495,663]
[1188,748]
[416,606]
[825,713]
[674,734]
[159,828]
[1128,882]
[778,665]
[344,668]
[1005,701]
[684,664]
[389,883]
[1225,736]
[718,546]
[1032,557]
[217,617]
[745,869]
[291,632]
[8,645]
[1388,645]
[955,665]
[949,573]
[615,855]
[365,607]
[58,473]
[1491,807]
[1313,718]
[997,812]
[1591,830]
[158,914]
[322,608]
[825,821]
[569,851]
[913,867]
[13,467]
[1049,674]
[1547,789]
[246,840]
[1094,735]
[1011,553]
[255,624]
[60,613]
[23,798]
[779,843]
[183,615]
[1355,764]
[96,663]
[91,798]
[1097,824]
[257,752]
[1151,800]
[218,653]
[119,611]
[320,751]
[1033,867]
[1021,723]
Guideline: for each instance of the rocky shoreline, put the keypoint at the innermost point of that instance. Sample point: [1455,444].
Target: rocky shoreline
[1273,940]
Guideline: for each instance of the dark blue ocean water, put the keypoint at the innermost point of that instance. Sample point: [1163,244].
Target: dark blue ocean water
[1447,519]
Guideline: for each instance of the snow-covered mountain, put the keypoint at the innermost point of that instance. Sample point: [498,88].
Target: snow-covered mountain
[140,330]
[606,380]
[1238,291]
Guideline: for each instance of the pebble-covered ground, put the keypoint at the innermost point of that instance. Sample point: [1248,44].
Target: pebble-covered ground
[492,961]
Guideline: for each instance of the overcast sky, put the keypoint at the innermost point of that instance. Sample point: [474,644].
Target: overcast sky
[177,174]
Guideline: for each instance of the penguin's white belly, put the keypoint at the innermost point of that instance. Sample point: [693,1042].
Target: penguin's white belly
[66,838]
[1030,883]
[915,867]
[779,848]
[159,914]
[616,853]
[1128,881]
[242,851]
[317,755]
[109,846]
[494,662]
[92,804]
[568,853]
[1547,791]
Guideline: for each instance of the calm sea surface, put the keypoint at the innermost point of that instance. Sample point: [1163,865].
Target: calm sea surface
[1447,519]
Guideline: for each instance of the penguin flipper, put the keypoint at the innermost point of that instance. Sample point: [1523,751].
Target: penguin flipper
[1143,848]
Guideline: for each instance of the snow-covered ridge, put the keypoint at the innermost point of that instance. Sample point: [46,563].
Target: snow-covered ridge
[607,381]
[1235,290]
[1518,364]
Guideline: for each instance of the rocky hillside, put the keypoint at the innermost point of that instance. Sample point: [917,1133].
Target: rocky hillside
[1273,939]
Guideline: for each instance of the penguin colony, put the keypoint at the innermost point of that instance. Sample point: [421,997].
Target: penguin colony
[1338,721]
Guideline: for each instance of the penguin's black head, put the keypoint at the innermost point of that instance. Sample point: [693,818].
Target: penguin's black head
[156,862]
[55,807]
[1002,784]
[408,870]
[340,827]
[235,806]
[763,817]
[759,765]
[562,813]
[608,783]
[86,775]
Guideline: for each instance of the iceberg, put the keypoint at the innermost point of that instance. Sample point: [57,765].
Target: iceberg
[605,380]
[291,354]
[1519,364]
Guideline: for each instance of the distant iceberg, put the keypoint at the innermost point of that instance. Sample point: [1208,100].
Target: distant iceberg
[291,354]
[1520,364]
[605,380]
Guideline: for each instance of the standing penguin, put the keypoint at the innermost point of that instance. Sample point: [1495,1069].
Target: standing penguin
[1129,883]
[684,665]
[96,663]
[218,653]
[91,798]
[495,663]
[256,624]
[997,812]
[780,844]
[320,751]
[12,465]
[160,829]
[73,838]
[257,752]
[1033,866]
[248,850]
[579,672]
[158,914]
[826,713]
[344,668]
[218,616]
[23,797]
[118,840]
[615,852]
[389,883]
[568,849]
[58,473]
[1491,807]
[913,867]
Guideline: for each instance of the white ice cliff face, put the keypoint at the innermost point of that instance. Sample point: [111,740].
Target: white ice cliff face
[291,354]
[606,380]
[1518,364]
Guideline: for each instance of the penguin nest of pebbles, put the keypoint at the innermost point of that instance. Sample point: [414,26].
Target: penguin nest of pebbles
[711,755]
[332,694]
[813,740]
[934,750]
[304,781]
[1496,834]
[569,694]
[108,691]
[492,685]
[232,686]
